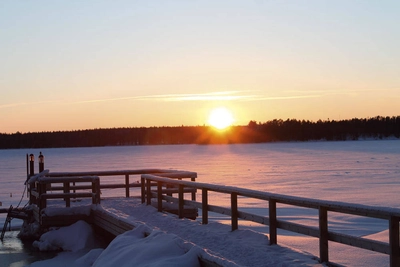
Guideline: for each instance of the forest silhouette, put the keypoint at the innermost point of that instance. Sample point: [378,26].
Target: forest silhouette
[276,130]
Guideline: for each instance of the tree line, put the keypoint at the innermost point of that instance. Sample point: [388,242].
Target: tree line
[255,132]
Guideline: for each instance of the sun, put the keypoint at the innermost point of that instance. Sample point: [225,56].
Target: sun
[220,118]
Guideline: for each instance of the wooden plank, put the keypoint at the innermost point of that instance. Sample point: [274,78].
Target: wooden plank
[253,218]
[66,195]
[63,220]
[369,244]
[110,223]
[298,228]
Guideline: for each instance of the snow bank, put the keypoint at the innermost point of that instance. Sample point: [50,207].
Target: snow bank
[134,248]
[73,238]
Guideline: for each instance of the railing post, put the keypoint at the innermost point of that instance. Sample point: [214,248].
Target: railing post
[148,191]
[234,210]
[204,206]
[127,185]
[394,241]
[42,200]
[159,196]
[143,189]
[193,179]
[180,203]
[95,191]
[272,222]
[323,235]
[66,190]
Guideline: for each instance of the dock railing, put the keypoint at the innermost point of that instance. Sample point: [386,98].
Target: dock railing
[124,173]
[392,215]
[39,193]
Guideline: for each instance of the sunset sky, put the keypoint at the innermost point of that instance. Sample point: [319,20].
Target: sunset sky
[69,65]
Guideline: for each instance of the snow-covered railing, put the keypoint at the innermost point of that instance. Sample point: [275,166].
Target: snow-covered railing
[392,215]
[127,184]
[40,195]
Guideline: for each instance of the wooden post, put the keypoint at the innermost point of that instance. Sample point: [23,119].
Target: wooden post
[143,189]
[323,235]
[234,210]
[193,179]
[181,201]
[66,190]
[204,206]
[42,200]
[159,196]
[126,185]
[273,224]
[148,191]
[394,241]
[31,165]
[41,162]
[95,191]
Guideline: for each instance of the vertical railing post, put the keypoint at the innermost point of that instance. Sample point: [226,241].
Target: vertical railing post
[204,206]
[95,190]
[272,222]
[159,196]
[181,201]
[42,200]
[148,191]
[126,185]
[193,179]
[394,241]
[143,189]
[234,211]
[66,190]
[323,235]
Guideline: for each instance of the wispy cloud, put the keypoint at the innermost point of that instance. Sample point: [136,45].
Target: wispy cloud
[259,98]
[213,96]
[19,104]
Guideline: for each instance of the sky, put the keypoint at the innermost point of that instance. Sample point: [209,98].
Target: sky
[70,65]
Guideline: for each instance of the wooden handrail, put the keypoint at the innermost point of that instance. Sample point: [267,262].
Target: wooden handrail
[176,174]
[392,215]
[39,194]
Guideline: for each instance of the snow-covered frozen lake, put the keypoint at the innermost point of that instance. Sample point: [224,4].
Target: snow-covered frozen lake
[364,172]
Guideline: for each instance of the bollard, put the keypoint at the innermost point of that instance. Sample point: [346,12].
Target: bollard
[41,162]
[31,165]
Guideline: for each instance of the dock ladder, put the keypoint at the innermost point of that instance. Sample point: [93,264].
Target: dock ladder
[7,223]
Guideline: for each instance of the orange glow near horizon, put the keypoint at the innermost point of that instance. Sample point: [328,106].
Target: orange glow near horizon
[220,118]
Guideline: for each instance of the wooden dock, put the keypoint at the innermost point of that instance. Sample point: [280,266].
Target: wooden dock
[169,191]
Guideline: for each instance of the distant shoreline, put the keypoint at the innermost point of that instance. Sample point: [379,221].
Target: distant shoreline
[272,131]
